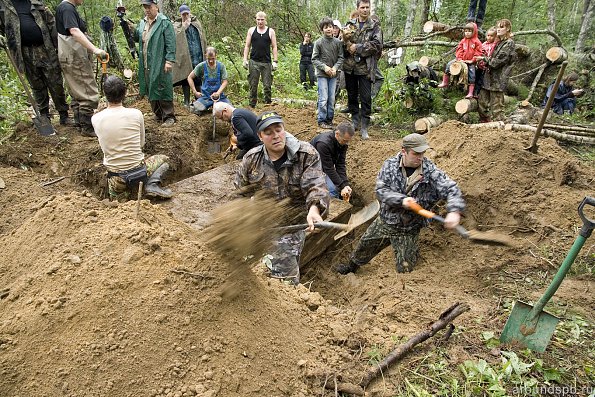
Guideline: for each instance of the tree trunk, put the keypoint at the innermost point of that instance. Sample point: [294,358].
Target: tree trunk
[551,15]
[410,19]
[425,12]
[585,26]
[556,55]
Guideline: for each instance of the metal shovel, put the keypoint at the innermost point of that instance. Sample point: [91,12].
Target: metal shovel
[530,326]
[214,146]
[41,123]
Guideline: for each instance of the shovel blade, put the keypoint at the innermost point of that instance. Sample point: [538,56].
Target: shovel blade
[213,147]
[517,322]
[359,218]
[43,126]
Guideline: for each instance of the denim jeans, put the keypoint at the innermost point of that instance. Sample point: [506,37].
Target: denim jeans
[332,189]
[326,99]
[472,16]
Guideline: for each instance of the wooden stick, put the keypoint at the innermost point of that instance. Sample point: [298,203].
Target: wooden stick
[53,181]
[138,198]
[525,103]
[445,318]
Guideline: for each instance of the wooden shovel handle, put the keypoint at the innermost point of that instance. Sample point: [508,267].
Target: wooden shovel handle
[420,211]
[104,63]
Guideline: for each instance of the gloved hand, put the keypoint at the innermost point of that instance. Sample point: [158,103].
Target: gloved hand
[101,54]
[274,65]
[2,41]
[246,64]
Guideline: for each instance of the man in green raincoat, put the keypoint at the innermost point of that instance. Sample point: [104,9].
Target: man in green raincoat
[157,54]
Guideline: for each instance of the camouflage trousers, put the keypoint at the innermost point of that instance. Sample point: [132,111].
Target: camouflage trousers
[44,74]
[378,236]
[284,260]
[117,188]
[491,101]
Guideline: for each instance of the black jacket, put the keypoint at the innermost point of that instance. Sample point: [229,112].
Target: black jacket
[243,123]
[332,156]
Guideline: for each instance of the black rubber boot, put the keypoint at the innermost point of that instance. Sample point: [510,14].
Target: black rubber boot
[86,125]
[355,120]
[153,188]
[65,120]
[364,129]
[186,91]
[346,268]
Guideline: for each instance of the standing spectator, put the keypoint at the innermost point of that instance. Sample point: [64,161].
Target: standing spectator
[259,40]
[288,169]
[306,48]
[328,58]
[565,99]
[157,55]
[243,124]
[472,16]
[74,48]
[332,147]
[121,135]
[340,76]
[467,50]
[33,43]
[361,58]
[214,80]
[404,179]
[495,79]
[487,48]
[190,46]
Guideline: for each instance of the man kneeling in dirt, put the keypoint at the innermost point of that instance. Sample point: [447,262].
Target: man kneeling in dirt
[407,178]
[243,123]
[121,134]
[287,168]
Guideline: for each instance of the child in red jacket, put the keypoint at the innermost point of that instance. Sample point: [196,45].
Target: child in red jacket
[467,49]
[487,48]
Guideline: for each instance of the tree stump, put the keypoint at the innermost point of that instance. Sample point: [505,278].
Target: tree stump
[556,54]
[424,124]
[466,105]
[456,68]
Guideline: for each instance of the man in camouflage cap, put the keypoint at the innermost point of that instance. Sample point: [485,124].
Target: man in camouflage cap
[404,179]
[289,169]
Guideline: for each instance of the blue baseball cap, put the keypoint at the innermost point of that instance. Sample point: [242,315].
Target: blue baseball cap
[184,8]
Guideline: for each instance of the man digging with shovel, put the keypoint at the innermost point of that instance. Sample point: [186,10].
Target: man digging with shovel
[404,180]
[288,169]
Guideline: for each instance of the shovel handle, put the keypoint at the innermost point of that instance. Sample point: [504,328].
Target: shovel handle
[318,225]
[419,210]
[588,224]
[104,62]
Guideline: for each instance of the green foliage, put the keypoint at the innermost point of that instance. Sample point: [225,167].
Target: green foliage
[374,355]
[13,101]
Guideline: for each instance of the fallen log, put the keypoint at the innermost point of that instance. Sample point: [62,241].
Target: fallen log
[466,105]
[499,125]
[416,43]
[424,124]
[526,102]
[560,136]
[556,55]
[570,128]
[427,61]
[437,28]
[545,31]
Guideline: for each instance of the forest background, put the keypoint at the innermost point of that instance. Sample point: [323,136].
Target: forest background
[226,23]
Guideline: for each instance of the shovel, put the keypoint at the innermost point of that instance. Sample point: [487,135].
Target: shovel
[103,63]
[357,219]
[214,146]
[530,326]
[487,238]
[42,124]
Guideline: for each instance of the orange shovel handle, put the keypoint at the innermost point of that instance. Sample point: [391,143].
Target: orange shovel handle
[104,63]
[420,211]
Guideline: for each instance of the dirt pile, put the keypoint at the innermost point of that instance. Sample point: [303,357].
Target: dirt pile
[101,303]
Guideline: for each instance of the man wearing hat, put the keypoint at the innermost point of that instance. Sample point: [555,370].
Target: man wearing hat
[157,55]
[407,178]
[288,169]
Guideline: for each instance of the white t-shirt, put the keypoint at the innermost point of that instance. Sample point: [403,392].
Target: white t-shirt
[121,134]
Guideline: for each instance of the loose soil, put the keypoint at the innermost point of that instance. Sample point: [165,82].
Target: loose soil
[96,301]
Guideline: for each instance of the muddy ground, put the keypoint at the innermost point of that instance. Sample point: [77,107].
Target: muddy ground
[95,302]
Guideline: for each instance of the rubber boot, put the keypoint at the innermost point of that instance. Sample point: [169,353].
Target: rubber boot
[86,125]
[364,129]
[65,120]
[186,91]
[470,91]
[153,188]
[355,121]
[445,81]
[346,268]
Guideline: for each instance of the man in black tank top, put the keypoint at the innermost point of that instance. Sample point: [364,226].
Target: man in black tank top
[260,38]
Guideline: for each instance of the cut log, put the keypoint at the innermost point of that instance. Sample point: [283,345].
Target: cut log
[522,51]
[432,26]
[456,68]
[427,61]
[466,105]
[437,28]
[499,125]
[424,124]
[556,54]
[560,136]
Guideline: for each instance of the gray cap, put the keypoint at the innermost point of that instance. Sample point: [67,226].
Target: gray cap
[267,118]
[148,2]
[416,142]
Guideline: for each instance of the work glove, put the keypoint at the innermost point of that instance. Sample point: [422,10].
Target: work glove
[274,65]
[101,54]
[246,64]
[2,41]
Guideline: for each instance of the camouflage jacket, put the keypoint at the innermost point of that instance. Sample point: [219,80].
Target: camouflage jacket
[433,185]
[10,26]
[300,179]
[368,41]
[499,66]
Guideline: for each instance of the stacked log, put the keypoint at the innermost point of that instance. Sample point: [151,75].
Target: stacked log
[424,124]
[560,136]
